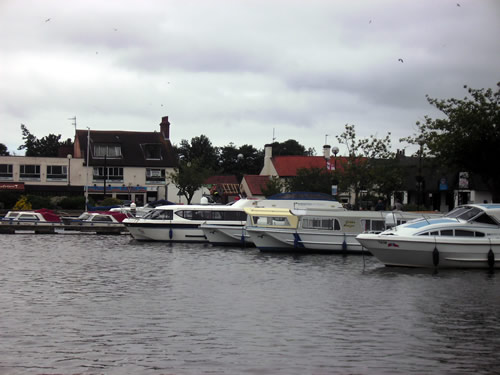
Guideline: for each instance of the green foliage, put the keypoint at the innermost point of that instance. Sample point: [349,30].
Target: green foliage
[289,147]
[3,150]
[370,165]
[273,186]
[200,149]
[314,180]
[47,146]
[189,177]
[73,203]
[40,202]
[9,198]
[467,139]
[240,161]
[109,202]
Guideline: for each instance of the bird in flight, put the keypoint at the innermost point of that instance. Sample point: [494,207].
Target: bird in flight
[458,4]
[400,60]
[47,20]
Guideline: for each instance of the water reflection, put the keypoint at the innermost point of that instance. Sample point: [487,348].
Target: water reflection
[107,304]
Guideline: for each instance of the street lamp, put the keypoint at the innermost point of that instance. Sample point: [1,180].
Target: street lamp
[69,169]
[335,151]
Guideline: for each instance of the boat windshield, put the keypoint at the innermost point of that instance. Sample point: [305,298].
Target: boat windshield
[465,213]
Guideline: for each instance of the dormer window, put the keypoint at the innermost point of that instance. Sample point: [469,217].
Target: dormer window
[151,151]
[110,151]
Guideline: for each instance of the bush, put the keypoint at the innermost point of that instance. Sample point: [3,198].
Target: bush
[9,198]
[110,202]
[40,202]
[72,203]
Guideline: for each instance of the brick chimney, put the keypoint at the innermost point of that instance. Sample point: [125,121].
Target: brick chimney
[165,127]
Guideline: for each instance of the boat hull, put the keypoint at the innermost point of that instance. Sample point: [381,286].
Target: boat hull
[433,252]
[167,232]
[226,235]
[272,240]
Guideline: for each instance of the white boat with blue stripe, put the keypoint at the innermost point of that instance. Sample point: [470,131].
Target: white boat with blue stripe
[467,237]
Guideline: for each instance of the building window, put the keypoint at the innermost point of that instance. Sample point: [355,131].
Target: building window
[114,174]
[152,151]
[29,172]
[57,173]
[155,176]
[6,172]
[110,151]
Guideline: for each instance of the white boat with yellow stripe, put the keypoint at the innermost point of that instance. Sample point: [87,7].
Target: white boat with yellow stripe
[317,230]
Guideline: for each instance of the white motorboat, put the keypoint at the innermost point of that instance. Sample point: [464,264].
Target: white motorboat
[236,235]
[317,230]
[467,237]
[181,223]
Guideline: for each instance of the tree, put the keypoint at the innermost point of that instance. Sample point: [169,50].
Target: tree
[240,161]
[370,165]
[313,179]
[47,146]
[189,177]
[200,149]
[3,150]
[273,186]
[467,139]
[290,147]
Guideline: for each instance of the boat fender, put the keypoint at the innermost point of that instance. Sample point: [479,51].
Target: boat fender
[344,245]
[435,257]
[491,259]
[297,242]
[170,233]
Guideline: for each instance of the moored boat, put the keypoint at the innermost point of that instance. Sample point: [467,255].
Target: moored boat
[317,230]
[467,237]
[181,223]
[237,235]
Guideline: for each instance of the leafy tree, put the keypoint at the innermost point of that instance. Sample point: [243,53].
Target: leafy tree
[3,150]
[46,146]
[199,149]
[290,147]
[370,165]
[313,179]
[273,186]
[468,137]
[240,161]
[189,177]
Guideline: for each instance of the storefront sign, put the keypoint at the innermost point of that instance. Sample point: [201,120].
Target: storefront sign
[12,186]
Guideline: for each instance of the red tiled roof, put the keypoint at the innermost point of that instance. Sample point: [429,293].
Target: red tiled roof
[255,183]
[287,166]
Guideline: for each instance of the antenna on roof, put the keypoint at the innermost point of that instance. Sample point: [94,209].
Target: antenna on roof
[326,139]
[74,122]
[274,138]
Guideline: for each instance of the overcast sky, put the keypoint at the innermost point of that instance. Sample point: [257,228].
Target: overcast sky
[240,71]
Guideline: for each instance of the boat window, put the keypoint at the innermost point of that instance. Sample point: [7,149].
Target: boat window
[29,217]
[102,218]
[12,215]
[159,215]
[464,213]
[485,219]
[234,215]
[447,232]
[320,223]
[373,225]
[463,233]
[479,234]
[424,234]
[84,216]
[269,220]
[436,233]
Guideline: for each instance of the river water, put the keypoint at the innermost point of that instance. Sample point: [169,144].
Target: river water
[88,304]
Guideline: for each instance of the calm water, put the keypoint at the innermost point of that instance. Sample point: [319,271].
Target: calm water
[87,304]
